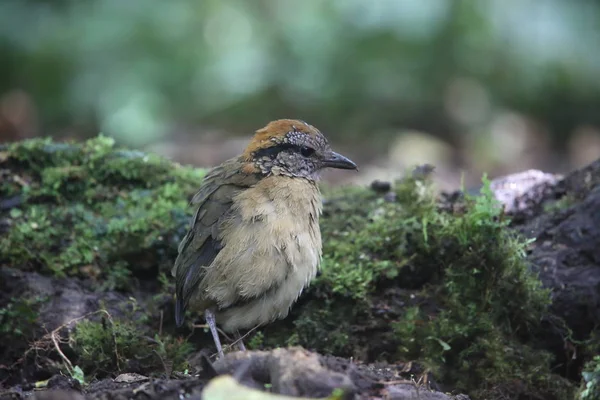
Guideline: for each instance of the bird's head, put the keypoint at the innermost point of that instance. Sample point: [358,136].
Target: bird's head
[293,148]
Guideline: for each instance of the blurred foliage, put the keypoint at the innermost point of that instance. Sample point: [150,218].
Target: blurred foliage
[590,387]
[135,69]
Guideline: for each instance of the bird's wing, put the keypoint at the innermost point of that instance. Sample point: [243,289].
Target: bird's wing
[201,244]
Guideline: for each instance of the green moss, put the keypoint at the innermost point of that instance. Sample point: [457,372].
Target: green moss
[18,316]
[107,347]
[563,203]
[484,293]
[367,238]
[93,210]
[317,318]
[590,386]
[257,341]
[18,324]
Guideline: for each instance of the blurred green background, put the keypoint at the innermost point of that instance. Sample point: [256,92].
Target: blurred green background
[467,85]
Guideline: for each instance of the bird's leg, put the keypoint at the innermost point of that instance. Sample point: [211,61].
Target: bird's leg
[210,320]
[238,339]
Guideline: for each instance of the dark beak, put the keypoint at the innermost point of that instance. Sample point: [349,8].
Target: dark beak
[335,160]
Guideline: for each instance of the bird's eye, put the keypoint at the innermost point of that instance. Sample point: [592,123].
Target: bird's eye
[307,151]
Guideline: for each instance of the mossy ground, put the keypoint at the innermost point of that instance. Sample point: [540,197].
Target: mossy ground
[108,347]
[92,210]
[401,278]
[18,316]
[104,215]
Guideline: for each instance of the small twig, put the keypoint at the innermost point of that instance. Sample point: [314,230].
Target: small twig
[397,382]
[407,367]
[162,361]
[54,337]
[60,353]
[247,333]
[160,327]
[205,326]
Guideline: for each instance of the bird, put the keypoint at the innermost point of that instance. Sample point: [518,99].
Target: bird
[254,243]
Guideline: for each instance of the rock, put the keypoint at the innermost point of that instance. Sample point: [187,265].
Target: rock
[293,372]
[131,378]
[381,186]
[524,189]
[63,383]
[566,254]
[58,395]
[66,299]
[410,392]
[562,216]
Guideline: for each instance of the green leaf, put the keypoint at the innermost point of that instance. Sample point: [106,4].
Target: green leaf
[78,374]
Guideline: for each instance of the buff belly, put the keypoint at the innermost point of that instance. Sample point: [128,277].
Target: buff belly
[271,253]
